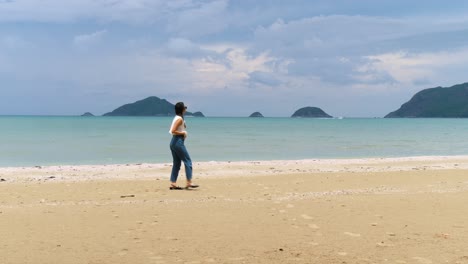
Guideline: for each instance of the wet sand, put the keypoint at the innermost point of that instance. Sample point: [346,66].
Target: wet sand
[400,210]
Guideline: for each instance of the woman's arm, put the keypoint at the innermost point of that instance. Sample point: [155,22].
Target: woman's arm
[174,128]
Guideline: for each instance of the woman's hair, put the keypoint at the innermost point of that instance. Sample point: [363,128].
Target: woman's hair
[179,108]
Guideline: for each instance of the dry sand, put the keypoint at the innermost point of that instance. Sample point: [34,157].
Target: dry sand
[401,210]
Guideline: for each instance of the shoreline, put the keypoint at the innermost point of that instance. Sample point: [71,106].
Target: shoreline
[222,169]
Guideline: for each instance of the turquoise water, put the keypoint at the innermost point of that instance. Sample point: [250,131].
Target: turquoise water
[35,140]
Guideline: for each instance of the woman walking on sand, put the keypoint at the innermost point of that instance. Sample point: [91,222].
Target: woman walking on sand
[179,152]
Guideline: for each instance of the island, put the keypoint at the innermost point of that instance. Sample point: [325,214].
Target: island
[311,112]
[196,114]
[256,114]
[450,102]
[87,114]
[151,106]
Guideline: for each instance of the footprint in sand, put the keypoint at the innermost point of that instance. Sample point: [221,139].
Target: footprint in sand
[290,206]
[383,244]
[342,253]
[123,252]
[352,234]
[307,217]
[423,260]
[313,226]
[157,260]
[236,259]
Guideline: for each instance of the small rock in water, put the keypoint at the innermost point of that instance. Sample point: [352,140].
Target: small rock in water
[2,180]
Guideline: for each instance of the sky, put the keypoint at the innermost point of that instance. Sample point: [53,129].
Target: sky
[360,58]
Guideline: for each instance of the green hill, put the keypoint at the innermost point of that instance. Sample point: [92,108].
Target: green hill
[312,112]
[151,106]
[436,102]
[256,114]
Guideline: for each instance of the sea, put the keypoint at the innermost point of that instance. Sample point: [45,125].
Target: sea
[70,140]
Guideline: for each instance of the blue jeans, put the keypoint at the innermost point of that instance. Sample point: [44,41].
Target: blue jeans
[179,154]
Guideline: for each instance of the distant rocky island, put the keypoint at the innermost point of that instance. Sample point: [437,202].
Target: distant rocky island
[436,102]
[196,114]
[311,112]
[256,114]
[151,106]
[87,114]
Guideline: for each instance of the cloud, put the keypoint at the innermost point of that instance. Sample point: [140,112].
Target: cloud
[86,40]
[12,42]
[341,49]
[204,19]
[265,78]
[132,11]
[185,48]
[411,68]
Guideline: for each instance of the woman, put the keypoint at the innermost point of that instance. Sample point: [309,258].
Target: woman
[179,152]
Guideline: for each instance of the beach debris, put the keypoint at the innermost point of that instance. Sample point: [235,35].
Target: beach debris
[281,249]
[51,177]
[38,167]
[2,180]
[127,196]
[442,235]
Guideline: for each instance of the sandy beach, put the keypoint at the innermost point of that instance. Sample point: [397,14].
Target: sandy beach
[393,210]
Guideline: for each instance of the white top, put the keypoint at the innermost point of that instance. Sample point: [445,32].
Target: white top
[181,128]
